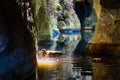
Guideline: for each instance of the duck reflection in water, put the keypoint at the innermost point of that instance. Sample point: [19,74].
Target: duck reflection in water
[49,53]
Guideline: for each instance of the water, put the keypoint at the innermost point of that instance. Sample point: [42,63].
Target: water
[68,67]
[65,69]
[107,69]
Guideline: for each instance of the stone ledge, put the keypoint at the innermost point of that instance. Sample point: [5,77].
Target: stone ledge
[104,48]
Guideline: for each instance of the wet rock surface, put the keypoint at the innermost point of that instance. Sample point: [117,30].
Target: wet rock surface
[113,4]
[107,33]
[17,51]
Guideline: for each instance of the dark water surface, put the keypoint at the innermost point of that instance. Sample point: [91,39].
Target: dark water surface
[65,70]
[69,67]
[81,69]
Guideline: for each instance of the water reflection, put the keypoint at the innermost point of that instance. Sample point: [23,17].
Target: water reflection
[84,42]
[65,38]
[106,72]
[66,70]
[100,66]
[61,39]
[108,68]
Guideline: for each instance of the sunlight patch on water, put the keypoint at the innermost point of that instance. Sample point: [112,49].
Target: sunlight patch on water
[44,62]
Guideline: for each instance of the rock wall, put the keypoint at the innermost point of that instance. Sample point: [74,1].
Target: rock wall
[107,29]
[17,48]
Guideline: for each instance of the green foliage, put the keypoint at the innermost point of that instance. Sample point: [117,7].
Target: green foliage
[41,19]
